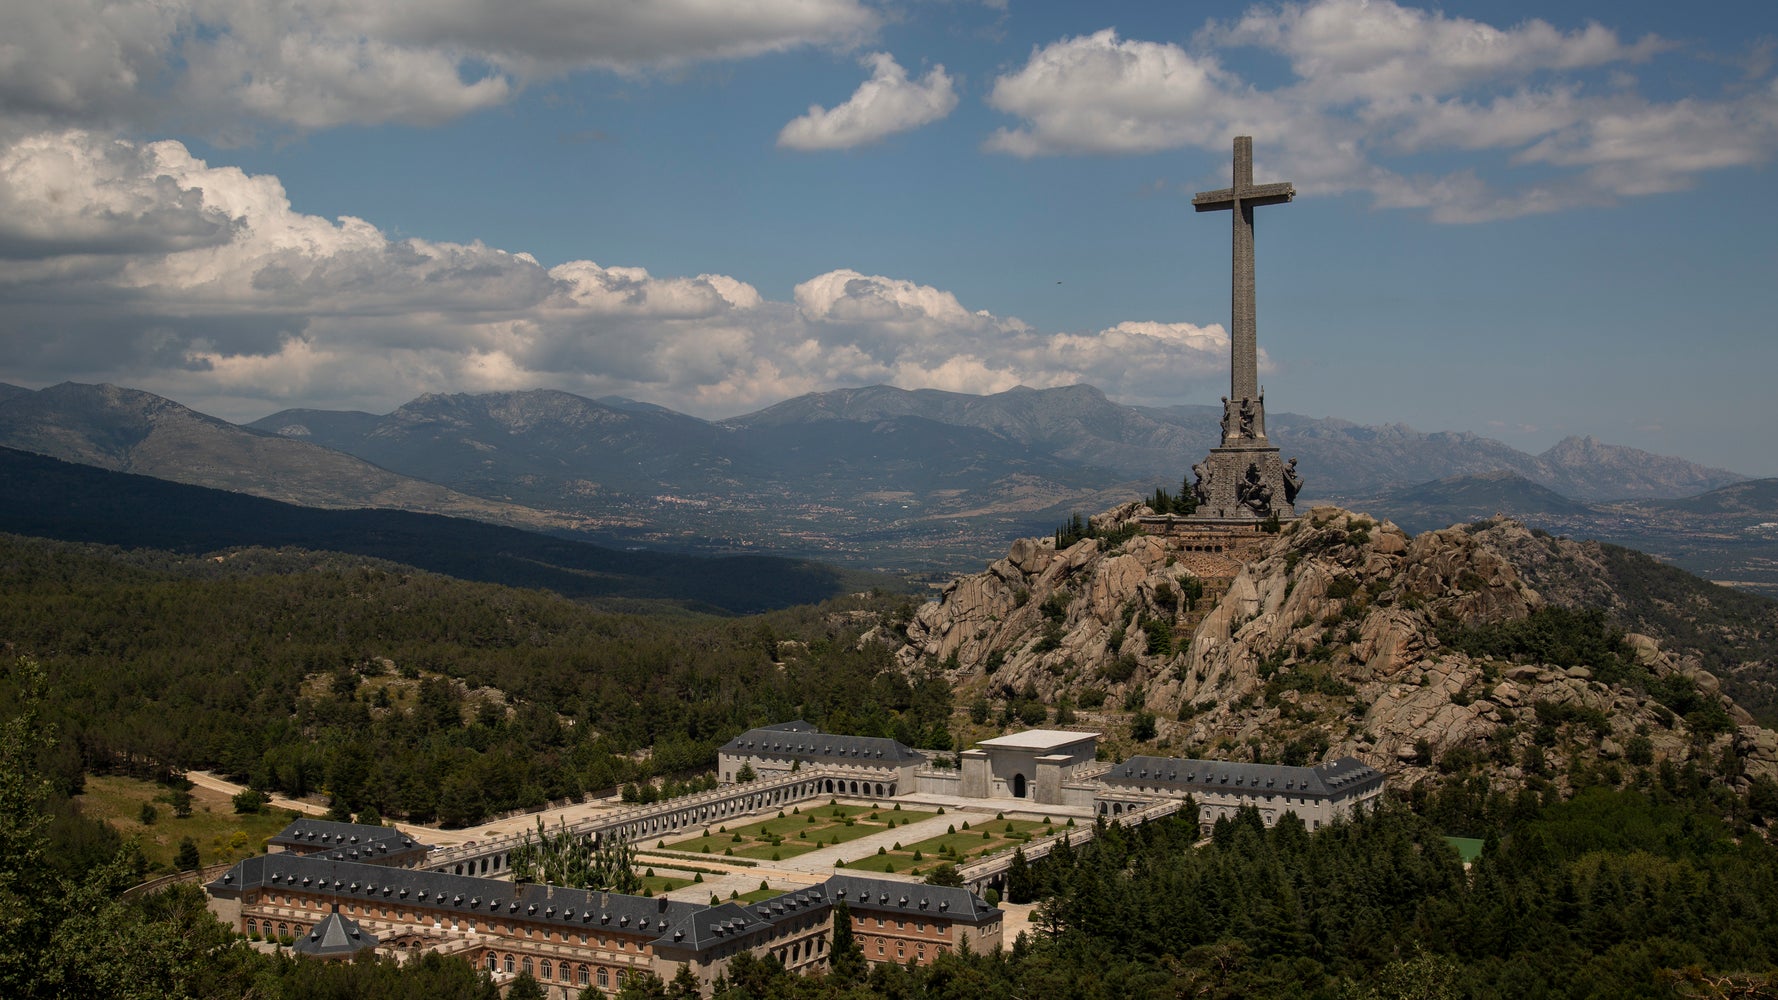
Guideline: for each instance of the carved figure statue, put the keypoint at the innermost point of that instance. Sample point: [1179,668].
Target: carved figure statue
[1247,415]
[1293,483]
[1201,484]
[1225,418]
[1254,494]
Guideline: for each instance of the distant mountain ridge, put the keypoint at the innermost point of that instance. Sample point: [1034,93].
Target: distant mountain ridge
[48,498]
[1729,535]
[127,430]
[875,476]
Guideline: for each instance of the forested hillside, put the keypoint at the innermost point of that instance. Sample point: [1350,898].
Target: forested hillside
[421,696]
[46,498]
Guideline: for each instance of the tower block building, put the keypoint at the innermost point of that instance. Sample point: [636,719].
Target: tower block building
[1244,479]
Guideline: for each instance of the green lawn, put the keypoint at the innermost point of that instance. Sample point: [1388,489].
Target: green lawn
[1467,848]
[799,831]
[957,848]
[665,883]
[221,833]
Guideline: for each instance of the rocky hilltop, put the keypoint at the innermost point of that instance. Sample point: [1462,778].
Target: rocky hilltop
[1456,649]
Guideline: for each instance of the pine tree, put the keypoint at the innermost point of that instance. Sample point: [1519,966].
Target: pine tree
[525,987]
[1020,886]
[847,961]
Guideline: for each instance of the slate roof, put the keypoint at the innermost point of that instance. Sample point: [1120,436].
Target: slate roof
[666,924]
[345,841]
[1332,779]
[812,745]
[876,895]
[335,937]
[465,894]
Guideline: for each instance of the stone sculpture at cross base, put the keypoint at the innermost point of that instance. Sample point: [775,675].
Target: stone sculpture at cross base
[1244,479]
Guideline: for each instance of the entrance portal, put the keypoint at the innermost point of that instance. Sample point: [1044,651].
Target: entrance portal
[1018,786]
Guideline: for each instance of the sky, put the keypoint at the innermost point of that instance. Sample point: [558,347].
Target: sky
[1523,220]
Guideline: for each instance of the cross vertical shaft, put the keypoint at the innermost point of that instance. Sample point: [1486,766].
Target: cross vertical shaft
[1239,201]
[1243,338]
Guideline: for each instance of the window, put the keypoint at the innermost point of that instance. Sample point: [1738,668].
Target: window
[580,976]
[879,921]
[529,970]
[604,977]
[919,926]
[879,946]
[549,971]
[493,963]
[509,963]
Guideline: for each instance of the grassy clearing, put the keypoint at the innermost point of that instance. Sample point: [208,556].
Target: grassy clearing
[799,831]
[221,833]
[958,848]
[658,884]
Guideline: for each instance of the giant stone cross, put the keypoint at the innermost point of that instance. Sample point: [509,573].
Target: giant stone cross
[1244,479]
[1240,201]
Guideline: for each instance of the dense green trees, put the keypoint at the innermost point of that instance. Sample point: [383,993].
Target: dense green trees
[68,932]
[564,858]
[1614,894]
[415,695]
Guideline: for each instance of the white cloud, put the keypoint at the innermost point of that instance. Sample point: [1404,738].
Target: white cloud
[79,58]
[1379,50]
[319,63]
[241,304]
[1375,82]
[1102,94]
[83,194]
[883,105]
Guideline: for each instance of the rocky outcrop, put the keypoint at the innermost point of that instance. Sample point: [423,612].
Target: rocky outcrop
[1326,638]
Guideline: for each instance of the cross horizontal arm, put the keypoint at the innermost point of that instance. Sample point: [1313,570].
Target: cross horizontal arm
[1214,201]
[1268,194]
[1223,199]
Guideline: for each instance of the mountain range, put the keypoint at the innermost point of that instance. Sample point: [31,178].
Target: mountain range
[47,498]
[920,480]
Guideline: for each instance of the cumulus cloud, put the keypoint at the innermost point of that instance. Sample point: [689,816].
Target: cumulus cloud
[83,194]
[241,304]
[1103,94]
[319,63]
[1375,83]
[1379,50]
[883,105]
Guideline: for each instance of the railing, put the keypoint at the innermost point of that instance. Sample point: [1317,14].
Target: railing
[626,816]
[205,874]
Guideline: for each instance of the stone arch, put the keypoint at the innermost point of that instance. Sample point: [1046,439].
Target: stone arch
[829,783]
[1018,786]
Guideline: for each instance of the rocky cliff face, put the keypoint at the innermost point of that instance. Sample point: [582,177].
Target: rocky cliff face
[1338,635]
